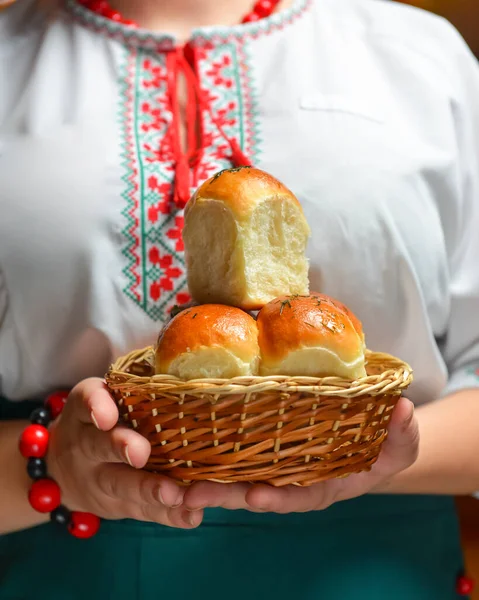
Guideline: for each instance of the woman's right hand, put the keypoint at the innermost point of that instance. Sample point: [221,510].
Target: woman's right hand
[96,462]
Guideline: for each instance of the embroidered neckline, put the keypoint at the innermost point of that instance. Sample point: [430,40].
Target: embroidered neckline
[154,269]
[161,42]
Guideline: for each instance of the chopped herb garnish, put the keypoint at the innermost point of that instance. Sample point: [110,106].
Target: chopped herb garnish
[233,170]
[176,310]
[284,303]
[194,316]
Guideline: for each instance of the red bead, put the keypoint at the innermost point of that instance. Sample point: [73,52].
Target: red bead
[34,441]
[129,22]
[111,14]
[264,7]
[44,495]
[56,402]
[465,585]
[251,18]
[84,525]
[97,6]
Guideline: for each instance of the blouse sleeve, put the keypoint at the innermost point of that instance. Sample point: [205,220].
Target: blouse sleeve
[461,344]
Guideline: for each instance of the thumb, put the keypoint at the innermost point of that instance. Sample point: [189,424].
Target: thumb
[401,447]
[119,445]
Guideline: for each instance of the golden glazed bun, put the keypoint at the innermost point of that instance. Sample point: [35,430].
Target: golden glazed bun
[245,237]
[305,335]
[209,341]
[356,323]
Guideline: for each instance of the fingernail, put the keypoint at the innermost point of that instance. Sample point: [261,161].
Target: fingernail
[258,508]
[410,417]
[127,456]
[406,427]
[191,518]
[161,498]
[93,420]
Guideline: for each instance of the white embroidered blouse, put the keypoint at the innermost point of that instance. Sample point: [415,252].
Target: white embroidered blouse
[367,110]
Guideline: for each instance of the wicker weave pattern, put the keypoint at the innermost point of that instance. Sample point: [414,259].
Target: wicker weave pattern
[280,430]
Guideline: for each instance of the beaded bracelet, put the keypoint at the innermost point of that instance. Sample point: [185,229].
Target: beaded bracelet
[45,494]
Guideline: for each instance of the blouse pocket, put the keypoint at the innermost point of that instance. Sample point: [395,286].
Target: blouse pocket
[341,103]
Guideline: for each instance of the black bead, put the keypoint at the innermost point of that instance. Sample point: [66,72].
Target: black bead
[36,468]
[41,416]
[61,516]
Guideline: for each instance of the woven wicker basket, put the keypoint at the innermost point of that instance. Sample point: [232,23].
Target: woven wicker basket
[279,430]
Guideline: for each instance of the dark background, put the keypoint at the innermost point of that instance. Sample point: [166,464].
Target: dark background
[464,14]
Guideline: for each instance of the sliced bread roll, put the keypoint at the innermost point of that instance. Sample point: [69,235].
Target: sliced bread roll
[245,238]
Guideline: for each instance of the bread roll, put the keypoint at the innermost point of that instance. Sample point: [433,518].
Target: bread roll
[304,335]
[212,341]
[245,237]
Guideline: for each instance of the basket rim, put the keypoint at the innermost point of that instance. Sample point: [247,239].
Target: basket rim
[394,379]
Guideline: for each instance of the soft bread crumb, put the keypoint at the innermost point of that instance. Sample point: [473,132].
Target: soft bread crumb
[245,239]
[211,363]
[316,362]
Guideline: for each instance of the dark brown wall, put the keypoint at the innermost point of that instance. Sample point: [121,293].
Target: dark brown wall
[464,14]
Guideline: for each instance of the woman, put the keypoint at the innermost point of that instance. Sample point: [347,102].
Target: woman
[368,111]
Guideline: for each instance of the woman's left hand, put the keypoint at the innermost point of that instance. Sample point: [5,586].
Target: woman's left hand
[398,453]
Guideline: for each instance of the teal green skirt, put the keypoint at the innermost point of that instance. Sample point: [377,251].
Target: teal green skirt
[372,548]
